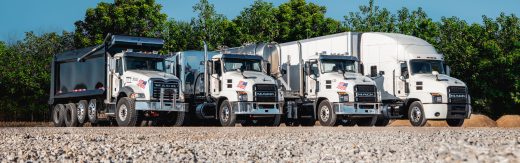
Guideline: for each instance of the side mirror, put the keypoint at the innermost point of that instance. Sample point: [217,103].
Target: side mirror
[312,76]
[381,73]
[268,68]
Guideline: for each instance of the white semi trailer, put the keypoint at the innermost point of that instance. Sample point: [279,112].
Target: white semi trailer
[410,69]
[237,90]
[319,80]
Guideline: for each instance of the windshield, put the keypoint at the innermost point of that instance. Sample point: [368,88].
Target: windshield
[142,63]
[329,65]
[421,66]
[246,64]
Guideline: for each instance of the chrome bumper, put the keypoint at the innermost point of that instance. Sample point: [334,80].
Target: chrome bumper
[161,106]
[357,108]
[264,108]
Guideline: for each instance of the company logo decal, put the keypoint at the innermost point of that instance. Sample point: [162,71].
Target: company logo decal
[242,84]
[342,85]
[141,84]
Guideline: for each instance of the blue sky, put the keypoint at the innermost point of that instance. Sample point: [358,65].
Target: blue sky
[19,16]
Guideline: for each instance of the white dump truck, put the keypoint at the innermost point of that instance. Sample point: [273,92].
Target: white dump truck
[409,69]
[237,90]
[319,80]
[122,80]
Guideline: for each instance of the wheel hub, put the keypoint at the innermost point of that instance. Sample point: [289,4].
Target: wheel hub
[80,110]
[92,110]
[324,113]
[225,117]
[416,114]
[123,112]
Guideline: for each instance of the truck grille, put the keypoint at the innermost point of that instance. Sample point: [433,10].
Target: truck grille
[169,88]
[457,95]
[365,93]
[264,93]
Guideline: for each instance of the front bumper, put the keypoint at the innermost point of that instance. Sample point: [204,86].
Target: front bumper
[157,106]
[260,108]
[447,111]
[351,108]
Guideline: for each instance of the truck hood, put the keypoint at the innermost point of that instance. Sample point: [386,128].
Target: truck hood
[444,80]
[145,74]
[252,76]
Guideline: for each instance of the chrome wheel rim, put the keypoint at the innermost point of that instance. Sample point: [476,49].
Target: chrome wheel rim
[416,114]
[81,111]
[324,113]
[123,112]
[226,113]
[92,110]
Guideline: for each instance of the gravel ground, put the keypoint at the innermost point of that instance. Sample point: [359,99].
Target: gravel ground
[262,144]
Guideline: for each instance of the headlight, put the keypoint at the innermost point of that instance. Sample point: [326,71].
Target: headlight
[242,96]
[137,95]
[343,97]
[436,98]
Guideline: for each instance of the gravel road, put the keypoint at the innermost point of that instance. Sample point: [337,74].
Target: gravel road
[263,144]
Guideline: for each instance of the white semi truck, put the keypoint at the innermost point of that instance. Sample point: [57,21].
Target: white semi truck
[411,70]
[319,80]
[237,90]
[122,80]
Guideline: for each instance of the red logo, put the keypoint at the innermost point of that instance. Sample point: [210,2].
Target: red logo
[141,83]
[342,85]
[242,84]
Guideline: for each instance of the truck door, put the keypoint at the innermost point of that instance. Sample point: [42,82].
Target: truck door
[402,83]
[215,84]
[311,78]
[116,77]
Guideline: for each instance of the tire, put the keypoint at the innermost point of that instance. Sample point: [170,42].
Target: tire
[71,115]
[82,110]
[277,119]
[382,121]
[326,114]
[172,118]
[92,112]
[455,122]
[57,115]
[226,115]
[416,114]
[366,122]
[126,115]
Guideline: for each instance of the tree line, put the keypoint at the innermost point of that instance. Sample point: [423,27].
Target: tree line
[484,55]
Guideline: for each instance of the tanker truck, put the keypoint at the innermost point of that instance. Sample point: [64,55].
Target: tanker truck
[122,80]
[319,80]
[411,72]
[227,88]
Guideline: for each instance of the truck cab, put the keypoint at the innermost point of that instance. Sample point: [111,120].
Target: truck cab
[417,75]
[237,90]
[334,80]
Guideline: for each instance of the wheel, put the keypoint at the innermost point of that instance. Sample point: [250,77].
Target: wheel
[82,111]
[326,115]
[382,121]
[307,121]
[58,118]
[346,122]
[248,122]
[71,115]
[416,114]
[92,112]
[274,121]
[455,122]
[172,118]
[226,115]
[126,115]
[366,122]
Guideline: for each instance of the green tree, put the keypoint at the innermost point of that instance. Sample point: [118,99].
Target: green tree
[124,17]
[257,23]
[209,25]
[300,20]
[178,36]
[370,19]
[25,72]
